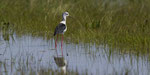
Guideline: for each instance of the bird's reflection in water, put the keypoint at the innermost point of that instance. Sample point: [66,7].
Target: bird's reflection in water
[61,63]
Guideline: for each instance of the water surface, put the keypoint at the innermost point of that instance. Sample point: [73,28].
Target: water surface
[21,55]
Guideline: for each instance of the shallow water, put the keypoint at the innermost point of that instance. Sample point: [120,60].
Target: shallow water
[20,55]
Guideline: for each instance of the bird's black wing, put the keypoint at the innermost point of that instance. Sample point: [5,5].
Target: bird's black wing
[60,28]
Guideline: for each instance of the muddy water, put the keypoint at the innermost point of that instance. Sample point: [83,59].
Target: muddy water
[21,55]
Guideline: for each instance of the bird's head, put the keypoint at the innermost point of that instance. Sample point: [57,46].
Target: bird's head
[65,14]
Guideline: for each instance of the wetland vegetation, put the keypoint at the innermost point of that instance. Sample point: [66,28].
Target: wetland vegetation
[101,21]
[121,25]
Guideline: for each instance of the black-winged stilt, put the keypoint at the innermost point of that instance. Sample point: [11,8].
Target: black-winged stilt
[60,29]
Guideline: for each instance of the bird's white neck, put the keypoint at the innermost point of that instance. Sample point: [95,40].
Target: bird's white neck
[63,20]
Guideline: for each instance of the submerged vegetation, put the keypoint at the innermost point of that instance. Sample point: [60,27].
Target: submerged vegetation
[121,23]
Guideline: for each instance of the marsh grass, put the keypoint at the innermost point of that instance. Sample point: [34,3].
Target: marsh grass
[25,66]
[121,23]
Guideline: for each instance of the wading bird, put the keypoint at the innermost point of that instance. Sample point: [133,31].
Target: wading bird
[60,29]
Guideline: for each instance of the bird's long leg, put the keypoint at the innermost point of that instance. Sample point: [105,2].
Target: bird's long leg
[56,44]
[61,45]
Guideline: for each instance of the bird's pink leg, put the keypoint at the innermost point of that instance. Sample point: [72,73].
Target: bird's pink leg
[61,45]
[56,44]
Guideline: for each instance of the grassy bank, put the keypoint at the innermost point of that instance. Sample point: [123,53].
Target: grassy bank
[123,23]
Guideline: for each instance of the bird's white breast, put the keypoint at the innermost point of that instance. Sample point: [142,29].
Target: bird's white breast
[65,29]
[63,22]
